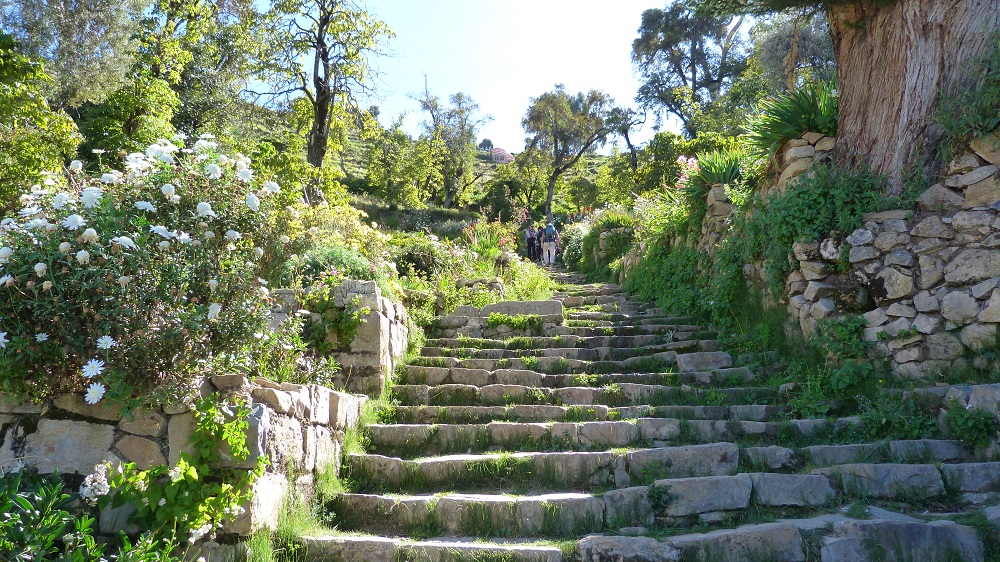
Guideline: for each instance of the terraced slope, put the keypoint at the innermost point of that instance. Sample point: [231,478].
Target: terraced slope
[623,434]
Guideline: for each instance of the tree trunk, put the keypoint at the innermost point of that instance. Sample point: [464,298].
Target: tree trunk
[552,193]
[893,62]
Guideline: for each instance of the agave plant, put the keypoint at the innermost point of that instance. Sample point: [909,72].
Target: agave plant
[782,118]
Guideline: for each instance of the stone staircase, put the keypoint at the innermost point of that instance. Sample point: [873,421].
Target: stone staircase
[622,434]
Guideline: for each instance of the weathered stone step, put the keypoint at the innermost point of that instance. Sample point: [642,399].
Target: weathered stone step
[619,319]
[916,451]
[440,356]
[381,549]
[482,515]
[546,342]
[976,482]
[559,471]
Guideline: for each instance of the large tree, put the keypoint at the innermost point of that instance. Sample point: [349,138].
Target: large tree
[452,130]
[327,60]
[87,46]
[687,59]
[566,127]
[895,59]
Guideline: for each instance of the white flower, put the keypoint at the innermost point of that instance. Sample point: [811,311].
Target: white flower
[200,532]
[209,235]
[30,211]
[3,340]
[175,199]
[41,337]
[93,368]
[164,245]
[98,151]
[259,252]
[65,247]
[161,230]
[94,393]
[40,269]
[284,239]
[179,137]
[183,237]
[314,231]
[109,178]
[89,236]
[60,200]
[212,284]
[208,136]
[264,293]
[96,484]
[51,227]
[46,285]
[75,166]
[5,253]
[105,342]
[83,256]
[35,224]
[91,196]
[125,242]
[124,280]
[223,160]
[213,311]
[245,175]
[253,202]
[202,144]
[214,171]
[233,235]
[205,210]
[162,502]
[6,280]
[73,222]
[271,188]
[145,206]
[167,190]
[165,157]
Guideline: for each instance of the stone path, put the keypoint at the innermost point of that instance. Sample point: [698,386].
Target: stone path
[615,432]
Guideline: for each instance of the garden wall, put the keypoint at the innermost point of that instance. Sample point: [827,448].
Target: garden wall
[927,281]
[300,429]
[381,340]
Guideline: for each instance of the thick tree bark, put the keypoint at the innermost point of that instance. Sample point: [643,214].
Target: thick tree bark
[894,60]
[552,193]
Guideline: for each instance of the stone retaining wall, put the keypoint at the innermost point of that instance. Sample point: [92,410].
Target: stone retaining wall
[296,427]
[381,340]
[929,281]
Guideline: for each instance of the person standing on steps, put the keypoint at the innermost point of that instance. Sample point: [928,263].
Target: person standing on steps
[550,237]
[529,241]
[539,234]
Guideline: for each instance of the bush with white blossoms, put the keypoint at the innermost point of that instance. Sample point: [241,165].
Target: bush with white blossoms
[115,284]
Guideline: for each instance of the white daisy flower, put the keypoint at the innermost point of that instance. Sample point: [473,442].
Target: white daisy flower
[41,337]
[245,175]
[40,269]
[161,230]
[73,222]
[205,210]
[213,311]
[271,187]
[168,190]
[65,247]
[105,342]
[92,368]
[30,211]
[6,280]
[145,206]
[253,202]
[213,171]
[124,280]
[125,242]
[212,284]
[5,253]
[89,236]
[94,393]
[164,245]
[3,340]
[91,196]
[60,200]
[109,178]
[284,239]
[75,166]
[233,235]
[183,237]
[83,257]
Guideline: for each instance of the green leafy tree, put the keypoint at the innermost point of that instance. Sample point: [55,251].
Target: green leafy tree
[452,130]
[398,167]
[687,59]
[130,118]
[33,138]
[566,127]
[486,145]
[88,47]
[895,59]
[792,49]
[327,61]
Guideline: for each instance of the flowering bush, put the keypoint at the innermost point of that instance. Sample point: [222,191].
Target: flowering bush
[123,282]
[489,239]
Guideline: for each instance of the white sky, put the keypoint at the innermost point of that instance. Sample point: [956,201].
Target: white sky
[504,53]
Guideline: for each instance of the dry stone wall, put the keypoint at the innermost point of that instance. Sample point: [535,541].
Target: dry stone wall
[929,280]
[381,340]
[298,428]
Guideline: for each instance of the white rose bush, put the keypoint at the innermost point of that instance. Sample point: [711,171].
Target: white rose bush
[125,282]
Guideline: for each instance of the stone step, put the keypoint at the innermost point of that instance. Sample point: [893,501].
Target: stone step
[441,356]
[546,342]
[512,390]
[974,482]
[482,515]
[550,471]
[381,549]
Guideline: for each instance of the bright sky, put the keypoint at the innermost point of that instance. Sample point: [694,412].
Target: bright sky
[504,53]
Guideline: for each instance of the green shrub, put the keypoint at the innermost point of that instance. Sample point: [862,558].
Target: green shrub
[972,110]
[976,427]
[892,417]
[671,277]
[812,108]
[571,239]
